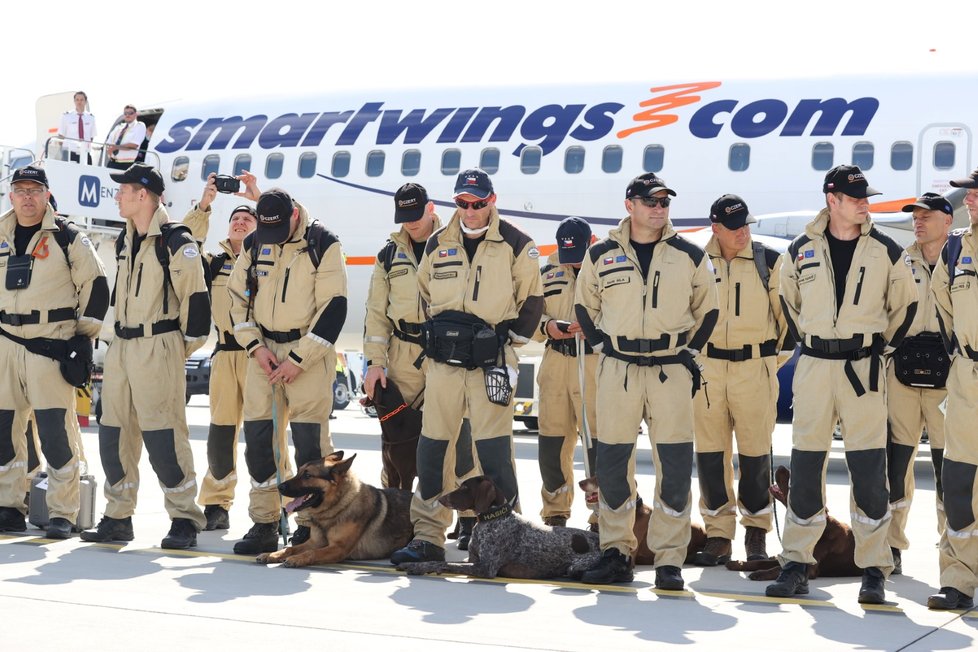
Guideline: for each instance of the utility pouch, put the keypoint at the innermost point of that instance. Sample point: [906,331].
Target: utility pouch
[77,365]
[459,339]
[19,272]
[922,361]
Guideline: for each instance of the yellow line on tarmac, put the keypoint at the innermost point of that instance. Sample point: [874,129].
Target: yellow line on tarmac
[503,581]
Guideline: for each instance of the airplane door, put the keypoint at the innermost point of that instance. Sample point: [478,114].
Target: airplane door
[943,153]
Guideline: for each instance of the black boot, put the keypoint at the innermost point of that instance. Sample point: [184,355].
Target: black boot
[301,535]
[669,578]
[182,535]
[611,568]
[466,523]
[262,537]
[792,581]
[871,592]
[897,561]
[12,520]
[950,598]
[716,551]
[59,528]
[110,529]
[217,518]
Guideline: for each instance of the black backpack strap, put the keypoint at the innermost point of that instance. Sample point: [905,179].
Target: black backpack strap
[318,240]
[65,235]
[167,231]
[216,264]
[953,252]
[387,254]
[760,262]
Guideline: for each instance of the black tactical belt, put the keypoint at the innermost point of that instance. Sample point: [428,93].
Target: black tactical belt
[647,345]
[850,349]
[568,347]
[684,358]
[413,339]
[34,317]
[282,337]
[764,349]
[971,353]
[134,332]
[229,344]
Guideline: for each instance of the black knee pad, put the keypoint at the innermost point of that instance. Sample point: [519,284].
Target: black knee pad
[612,472]
[108,448]
[805,487]
[54,437]
[548,454]
[163,456]
[755,480]
[431,461]
[259,456]
[676,467]
[305,436]
[959,482]
[463,450]
[867,470]
[709,470]
[937,457]
[496,458]
[33,461]
[7,437]
[220,450]
[898,460]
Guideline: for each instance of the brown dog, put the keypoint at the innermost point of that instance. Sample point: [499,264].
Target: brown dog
[643,513]
[834,553]
[348,519]
[400,428]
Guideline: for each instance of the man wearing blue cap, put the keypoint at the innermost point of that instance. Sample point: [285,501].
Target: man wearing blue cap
[560,387]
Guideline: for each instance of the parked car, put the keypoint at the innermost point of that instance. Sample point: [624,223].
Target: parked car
[198,368]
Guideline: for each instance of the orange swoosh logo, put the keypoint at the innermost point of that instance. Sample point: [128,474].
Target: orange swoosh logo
[654,117]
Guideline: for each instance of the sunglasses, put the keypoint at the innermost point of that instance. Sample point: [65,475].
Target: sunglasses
[474,205]
[652,202]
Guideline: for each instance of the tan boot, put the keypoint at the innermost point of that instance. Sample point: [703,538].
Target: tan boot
[715,552]
[755,544]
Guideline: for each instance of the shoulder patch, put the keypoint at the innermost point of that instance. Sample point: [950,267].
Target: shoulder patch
[682,244]
[600,248]
[797,244]
[516,239]
[190,251]
[893,250]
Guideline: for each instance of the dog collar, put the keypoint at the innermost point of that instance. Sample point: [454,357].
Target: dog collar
[499,512]
[393,412]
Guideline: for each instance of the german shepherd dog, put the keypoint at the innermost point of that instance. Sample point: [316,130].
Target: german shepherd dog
[643,513]
[349,519]
[834,552]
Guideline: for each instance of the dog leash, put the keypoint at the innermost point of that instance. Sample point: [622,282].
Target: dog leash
[284,518]
[774,502]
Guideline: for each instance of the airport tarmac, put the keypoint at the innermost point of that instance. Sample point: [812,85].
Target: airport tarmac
[77,595]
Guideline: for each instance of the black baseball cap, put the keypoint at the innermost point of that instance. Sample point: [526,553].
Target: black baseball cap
[142,175]
[30,173]
[410,201]
[243,208]
[849,180]
[970,182]
[275,208]
[646,185]
[930,201]
[731,211]
[573,239]
[474,182]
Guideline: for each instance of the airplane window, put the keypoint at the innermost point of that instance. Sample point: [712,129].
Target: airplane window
[211,163]
[862,155]
[489,160]
[451,161]
[530,160]
[611,159]
[375,163]
[341,164]
[242,163]
[823,156]
[738,159]
[273,165]
[411,162]
[901,155]
[180,169]
[307,165]
[653,158]
[574,160]
[944,155]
